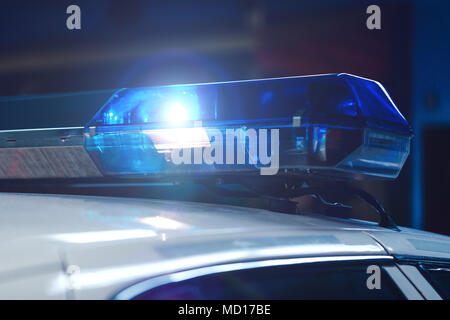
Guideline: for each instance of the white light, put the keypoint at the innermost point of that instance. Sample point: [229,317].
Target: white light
[103,236]
[168,139]
[163,223]
[177,113]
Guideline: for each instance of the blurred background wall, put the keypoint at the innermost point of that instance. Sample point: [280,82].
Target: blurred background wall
[141,43]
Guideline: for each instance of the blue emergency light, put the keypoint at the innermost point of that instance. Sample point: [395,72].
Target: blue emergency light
[335,125]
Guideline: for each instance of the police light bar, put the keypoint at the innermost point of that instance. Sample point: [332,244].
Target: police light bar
[335,125]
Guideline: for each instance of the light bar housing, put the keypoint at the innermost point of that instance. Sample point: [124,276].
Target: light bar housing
[332,126]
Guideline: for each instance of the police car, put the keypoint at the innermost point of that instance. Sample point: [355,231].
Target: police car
[283,151]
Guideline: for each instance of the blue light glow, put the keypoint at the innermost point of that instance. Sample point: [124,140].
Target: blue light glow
[340,118]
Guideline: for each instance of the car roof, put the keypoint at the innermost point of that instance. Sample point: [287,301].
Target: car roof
[120,240]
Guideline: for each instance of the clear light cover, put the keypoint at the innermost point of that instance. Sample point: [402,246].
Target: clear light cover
[381,154]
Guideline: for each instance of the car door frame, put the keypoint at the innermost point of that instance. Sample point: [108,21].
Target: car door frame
[388,264]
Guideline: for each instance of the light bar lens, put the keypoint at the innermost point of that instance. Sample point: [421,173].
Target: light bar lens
[338,124]
[171,105]
[326,98]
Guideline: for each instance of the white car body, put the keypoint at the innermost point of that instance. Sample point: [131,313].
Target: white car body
[83,247]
